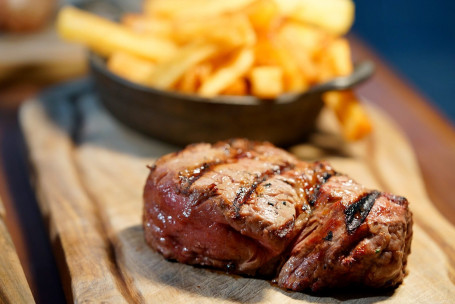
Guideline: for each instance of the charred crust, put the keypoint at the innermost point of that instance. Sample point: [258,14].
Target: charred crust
[396,199]
[314,195]
[324,177]
[190,176]
[283,231]
[198,198]
[321,180]
[357,212]
[243,195]
[319,174]
[234,151]
[287,182]
[329,236]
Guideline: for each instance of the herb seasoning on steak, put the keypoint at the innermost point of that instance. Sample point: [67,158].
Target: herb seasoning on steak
[254,209]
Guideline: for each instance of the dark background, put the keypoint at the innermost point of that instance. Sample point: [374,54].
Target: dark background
[417,38]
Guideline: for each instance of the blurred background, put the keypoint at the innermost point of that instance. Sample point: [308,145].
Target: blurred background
[418,40]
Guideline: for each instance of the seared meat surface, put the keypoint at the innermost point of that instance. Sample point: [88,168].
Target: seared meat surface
[254,209]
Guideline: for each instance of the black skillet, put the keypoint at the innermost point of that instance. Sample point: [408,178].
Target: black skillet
[182,119]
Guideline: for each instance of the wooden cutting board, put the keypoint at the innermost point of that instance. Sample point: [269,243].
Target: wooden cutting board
[13,284]
[89,173]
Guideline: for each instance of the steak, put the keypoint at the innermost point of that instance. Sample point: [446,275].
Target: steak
[254,209]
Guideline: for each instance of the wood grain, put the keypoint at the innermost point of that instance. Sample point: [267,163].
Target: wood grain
[90,174]
[73,218]
[13,285]
[2,210]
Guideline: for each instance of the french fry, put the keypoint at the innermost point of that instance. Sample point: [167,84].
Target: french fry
[339,54]
[130,67]
[303,61]
[335,16]
[325,69]
[194,77]
[228,73]
[195,9]
[263,14]
[238,87]
[228,31]
[144,25]
[106,37]
[353,118]
[167,8]
[265,53]
[272,53]
[294,80]
[168,72]
[266,81]
[309,39]
[188,82]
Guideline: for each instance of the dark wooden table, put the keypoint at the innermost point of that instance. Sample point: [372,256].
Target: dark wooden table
[431,135]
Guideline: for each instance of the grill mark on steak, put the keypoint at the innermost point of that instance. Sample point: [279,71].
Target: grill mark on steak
[356,213]
[329,236]
[399,200]
[189,176]
[243,195]
[313,192]
[198,198]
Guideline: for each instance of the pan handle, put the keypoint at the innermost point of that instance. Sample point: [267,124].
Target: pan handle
[362,71]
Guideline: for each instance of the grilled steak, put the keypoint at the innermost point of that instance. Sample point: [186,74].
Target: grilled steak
[254,209]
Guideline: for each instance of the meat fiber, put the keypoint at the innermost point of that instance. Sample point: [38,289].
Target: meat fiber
[252,208]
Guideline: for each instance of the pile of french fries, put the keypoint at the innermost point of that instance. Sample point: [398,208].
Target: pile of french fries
[236,47]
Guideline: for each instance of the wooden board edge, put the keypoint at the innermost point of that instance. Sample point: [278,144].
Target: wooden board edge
[13,284]
[57,205]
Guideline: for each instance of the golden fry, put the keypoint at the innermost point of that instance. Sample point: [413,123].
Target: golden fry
[195,9]
[238,87]
[266,81]
[294,80]
[302,60]
[145,25]
[168,72]
[228,31]
[274,53]
[189,81]
[334,16]
[339,54]
[309,39]
[194,77]
[353,118]
[228,73]
[263,14]
[106,37]
[130,67]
